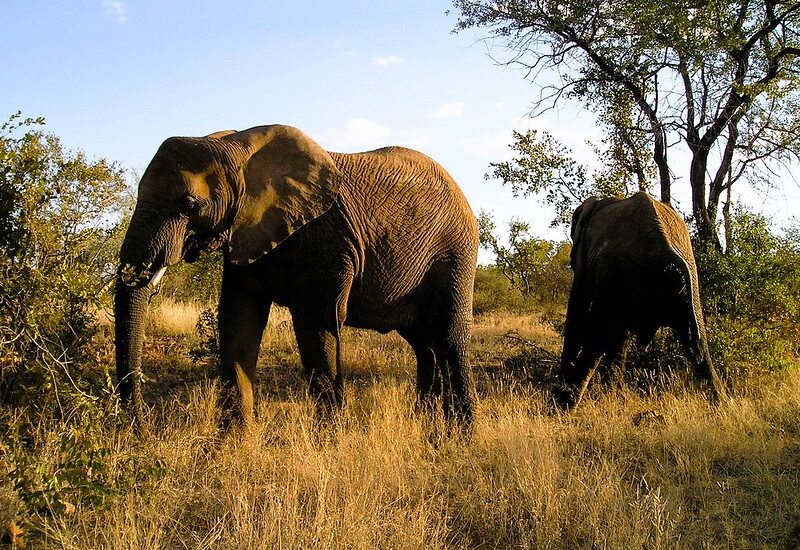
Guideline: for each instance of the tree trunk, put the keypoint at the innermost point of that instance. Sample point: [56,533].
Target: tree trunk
[705,215]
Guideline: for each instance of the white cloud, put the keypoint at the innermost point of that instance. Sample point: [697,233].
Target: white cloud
[499,105]
[116,9]
[491,146]
[412,140]
[363,134]
[446,110]
[357,134]
[388,60]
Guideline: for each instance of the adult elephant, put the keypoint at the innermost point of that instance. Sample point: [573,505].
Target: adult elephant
[383,240]
[634,272]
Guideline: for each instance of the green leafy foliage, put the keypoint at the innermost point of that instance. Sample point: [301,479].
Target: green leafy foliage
[59,234]
[494,292]
[537,268]
[207,349]
[543,165]
[55,467]
[715,79]
[751,294]
[199,281]
[60,228]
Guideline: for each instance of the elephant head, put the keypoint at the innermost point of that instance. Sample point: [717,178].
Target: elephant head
[579,219]
[246,191]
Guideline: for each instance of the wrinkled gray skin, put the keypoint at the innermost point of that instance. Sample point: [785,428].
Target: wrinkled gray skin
[383,240]
[634,273]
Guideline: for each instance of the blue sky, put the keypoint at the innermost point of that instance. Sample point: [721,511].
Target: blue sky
[117,77]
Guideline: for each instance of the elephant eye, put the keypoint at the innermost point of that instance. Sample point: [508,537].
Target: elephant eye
[189,205]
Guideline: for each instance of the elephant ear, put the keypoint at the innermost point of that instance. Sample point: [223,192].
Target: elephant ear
[288,181]
[579,219]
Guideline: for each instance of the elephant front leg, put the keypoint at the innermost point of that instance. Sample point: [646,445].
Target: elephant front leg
[320,355]
[241,326]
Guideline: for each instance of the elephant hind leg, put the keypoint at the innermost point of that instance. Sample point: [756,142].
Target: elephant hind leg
[429,379]
[457,388]
[443,372]
[444,320]
[449,345]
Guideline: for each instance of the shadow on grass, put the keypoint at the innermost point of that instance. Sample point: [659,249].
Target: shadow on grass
[517,364]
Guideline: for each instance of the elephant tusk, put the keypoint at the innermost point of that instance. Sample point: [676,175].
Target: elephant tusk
[157,277]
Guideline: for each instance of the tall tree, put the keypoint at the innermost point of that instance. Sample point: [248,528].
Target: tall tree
[717,79]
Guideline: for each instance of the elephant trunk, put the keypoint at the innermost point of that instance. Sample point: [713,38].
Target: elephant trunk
[150,245]
[130,311]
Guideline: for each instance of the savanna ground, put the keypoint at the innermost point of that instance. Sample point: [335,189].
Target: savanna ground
[644,464]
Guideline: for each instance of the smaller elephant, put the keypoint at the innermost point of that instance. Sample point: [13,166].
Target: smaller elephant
[634,273]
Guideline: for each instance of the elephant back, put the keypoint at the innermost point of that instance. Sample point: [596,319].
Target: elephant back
[398,188]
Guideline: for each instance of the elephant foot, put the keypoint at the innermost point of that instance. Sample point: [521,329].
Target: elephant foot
[563,400]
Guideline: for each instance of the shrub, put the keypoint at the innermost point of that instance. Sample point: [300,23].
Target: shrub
[59,228]
[494,292]
[751,295]
[537,269]
[207,350]
[199,281]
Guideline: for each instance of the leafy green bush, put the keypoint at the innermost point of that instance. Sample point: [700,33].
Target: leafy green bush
[207,350]
[494,292]
[54,466]
[535,269]
[59,227]
[199,281]
[751,295]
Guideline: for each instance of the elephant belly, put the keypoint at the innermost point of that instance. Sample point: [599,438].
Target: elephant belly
[380,315]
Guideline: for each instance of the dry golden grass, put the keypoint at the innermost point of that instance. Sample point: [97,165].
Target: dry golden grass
[166,317]
[626,470]
[172,318]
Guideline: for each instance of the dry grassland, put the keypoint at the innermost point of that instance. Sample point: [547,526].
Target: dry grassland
[630,469]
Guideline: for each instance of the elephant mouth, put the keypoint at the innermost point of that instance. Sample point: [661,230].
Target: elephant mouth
[195,244]
[142,275]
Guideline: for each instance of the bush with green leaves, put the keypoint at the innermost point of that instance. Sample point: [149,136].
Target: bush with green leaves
[60,217]
[494,292]
[199,281]
[60,228]
[536,268]
[751,295]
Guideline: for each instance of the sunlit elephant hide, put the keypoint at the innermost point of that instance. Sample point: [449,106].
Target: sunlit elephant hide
[383,240]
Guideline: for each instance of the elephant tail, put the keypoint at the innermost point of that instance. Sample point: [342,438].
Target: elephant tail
[683,282]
